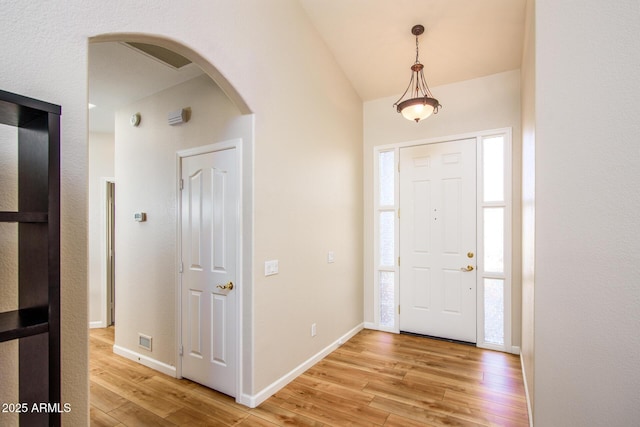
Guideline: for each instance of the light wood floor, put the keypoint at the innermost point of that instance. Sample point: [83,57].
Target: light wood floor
[375,379]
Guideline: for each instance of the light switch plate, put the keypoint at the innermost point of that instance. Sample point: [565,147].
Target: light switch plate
[271,267]
[331,257]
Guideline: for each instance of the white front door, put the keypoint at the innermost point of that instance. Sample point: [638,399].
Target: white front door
[438,240]
[209,289]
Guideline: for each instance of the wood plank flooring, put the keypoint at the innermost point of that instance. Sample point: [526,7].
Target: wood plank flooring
[375,379]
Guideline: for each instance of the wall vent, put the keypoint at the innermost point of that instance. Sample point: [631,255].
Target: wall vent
[144,341]
[165,56]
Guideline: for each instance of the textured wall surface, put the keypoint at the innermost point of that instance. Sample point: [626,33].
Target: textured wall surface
[587,267]
[311,149]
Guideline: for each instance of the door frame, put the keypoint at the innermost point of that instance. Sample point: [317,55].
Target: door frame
[508,184]
[105,316]
[236,144]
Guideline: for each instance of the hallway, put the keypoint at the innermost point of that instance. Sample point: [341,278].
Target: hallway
[376,378]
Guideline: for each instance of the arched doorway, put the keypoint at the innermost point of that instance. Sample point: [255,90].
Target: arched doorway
[148,299]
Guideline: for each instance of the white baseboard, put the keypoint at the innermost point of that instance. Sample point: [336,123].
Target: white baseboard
[257,399]
[145,360]
[370,325]
[97,324]
[515,350]
[526,391]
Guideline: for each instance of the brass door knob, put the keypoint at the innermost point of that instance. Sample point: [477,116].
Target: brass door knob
[226,287]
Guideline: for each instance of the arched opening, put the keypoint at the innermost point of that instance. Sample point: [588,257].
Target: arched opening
[146,164]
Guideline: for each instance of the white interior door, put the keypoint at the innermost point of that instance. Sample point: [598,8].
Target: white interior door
[209,288]
[438,240]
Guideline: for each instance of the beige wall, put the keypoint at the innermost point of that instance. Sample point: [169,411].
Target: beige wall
[308,136]
[308,201]
[474,105]
[145,171]
[587,227]
[101,151]
[528,200]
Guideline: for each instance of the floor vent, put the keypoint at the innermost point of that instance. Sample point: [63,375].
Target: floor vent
[144,341]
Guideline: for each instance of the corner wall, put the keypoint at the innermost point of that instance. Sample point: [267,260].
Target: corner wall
[474,105]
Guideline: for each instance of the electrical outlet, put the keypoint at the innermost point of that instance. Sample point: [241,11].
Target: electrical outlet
[313,330]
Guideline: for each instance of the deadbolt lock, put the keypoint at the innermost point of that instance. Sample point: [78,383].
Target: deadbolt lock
[469,254]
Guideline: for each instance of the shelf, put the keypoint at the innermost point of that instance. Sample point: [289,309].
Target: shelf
[16,110]
[23,323]
[24,217]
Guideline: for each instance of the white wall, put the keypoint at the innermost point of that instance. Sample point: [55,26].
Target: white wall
[474,105]
[101,148]
[587,227]
[308,136]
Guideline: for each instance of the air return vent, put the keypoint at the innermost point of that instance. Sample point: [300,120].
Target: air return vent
[166,56]
[144,341]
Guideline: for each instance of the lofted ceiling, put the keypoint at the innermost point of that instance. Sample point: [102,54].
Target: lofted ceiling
[463,39]
[370,39]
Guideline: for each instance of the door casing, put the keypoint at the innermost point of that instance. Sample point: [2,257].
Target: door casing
[375,208]
[218,146]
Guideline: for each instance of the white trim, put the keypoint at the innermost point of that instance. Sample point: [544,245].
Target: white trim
[370,325]
[377,209]
[236,144]
[526,391]
[145,360]
[505,276]
[508,206]
[104,300]
[97,324]
[253,401]
[440,139]
[515,349]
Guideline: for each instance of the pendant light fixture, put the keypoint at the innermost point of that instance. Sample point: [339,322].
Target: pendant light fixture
[421,103]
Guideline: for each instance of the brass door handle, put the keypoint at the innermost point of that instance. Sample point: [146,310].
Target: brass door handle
[467,268]
[226,287]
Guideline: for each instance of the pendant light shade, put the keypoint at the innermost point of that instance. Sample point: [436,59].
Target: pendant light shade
[421,103]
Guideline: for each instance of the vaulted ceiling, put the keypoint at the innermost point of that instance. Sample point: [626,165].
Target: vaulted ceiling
[370,39]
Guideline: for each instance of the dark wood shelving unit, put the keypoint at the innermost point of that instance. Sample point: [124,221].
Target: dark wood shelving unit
[36,322]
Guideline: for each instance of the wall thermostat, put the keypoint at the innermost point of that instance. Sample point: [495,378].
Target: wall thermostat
[135,119]
[140,216]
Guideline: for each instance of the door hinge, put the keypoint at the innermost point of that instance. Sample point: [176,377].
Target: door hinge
[398,212]
[181,184]
[181,267]
[398,309]
[398,261]
[180,350]
[398,167]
